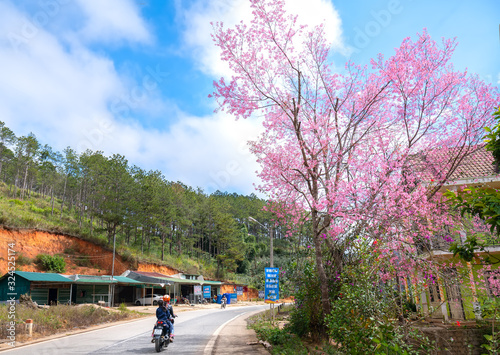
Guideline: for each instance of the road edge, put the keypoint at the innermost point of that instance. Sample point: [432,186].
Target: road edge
[211,345]
[73,332]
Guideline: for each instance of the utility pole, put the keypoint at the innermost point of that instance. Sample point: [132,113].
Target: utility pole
[271,256]
[270,231]
[271,246]
[112,300]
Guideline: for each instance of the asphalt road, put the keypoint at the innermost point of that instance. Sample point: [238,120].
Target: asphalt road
[195,333]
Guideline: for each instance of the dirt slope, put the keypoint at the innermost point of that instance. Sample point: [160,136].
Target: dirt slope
[82,257]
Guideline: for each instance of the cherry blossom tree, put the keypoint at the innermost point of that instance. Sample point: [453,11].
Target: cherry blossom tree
[360,151]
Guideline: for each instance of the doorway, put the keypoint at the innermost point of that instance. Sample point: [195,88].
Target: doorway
[52,296]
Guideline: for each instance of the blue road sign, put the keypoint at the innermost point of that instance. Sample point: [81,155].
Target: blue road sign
[272,284]
[206,292]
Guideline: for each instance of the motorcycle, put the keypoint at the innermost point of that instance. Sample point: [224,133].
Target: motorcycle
[161,340]
[223,303]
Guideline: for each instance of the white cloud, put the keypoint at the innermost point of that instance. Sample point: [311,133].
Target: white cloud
[198,16]
[70,96]
[46,82]
[57,87]
[208,152]
[113,20]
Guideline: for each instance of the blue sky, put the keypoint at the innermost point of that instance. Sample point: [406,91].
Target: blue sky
[133,76]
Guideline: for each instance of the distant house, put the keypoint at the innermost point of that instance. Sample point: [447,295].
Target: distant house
[93,289]
[179,285]
[44,288]
[50,288]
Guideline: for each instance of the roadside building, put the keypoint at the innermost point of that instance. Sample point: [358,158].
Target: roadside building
[180,287]
[457,292]
[130,287]
[44,288]
[100,289]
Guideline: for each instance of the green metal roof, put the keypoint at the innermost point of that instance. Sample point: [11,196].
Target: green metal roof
[188,281]
[207,282]
[124,279]
[94,281]
[40,276]
[106,279]
[182,281]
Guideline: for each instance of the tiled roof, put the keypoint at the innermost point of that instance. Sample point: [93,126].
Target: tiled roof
[147,277]
[477,162]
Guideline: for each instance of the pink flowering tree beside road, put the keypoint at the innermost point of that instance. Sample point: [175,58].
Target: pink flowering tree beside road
[358,152]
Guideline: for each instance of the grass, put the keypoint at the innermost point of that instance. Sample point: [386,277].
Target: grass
[23,260]
[282,341]
[61,318]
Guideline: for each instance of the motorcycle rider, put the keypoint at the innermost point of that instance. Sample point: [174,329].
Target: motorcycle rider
[223,301]
[166,300]
[163,314]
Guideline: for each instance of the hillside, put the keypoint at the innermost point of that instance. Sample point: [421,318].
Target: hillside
[81,256]
[106,201]
[208,235]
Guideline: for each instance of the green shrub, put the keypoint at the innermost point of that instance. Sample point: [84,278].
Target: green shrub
[275,335]
[365,317]
[36,209]
[51,263]
[29,221]
[83,261]
[127,256]
[307,318]
[282,340]
[17,202]
[23,260]
[48,211]
[3,218]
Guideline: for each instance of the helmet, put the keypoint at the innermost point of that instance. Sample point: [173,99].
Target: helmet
[160,303]
[166,298]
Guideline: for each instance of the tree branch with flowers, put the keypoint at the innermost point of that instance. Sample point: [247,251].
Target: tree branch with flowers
[353,150]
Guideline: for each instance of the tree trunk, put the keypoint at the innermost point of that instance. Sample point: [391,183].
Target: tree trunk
[64,195]
[162,245]
[52,200]
[325,294]
[25,182]
[16,180]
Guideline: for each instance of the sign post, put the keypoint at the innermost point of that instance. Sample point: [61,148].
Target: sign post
[272,287]
[197,292]
[207,292]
